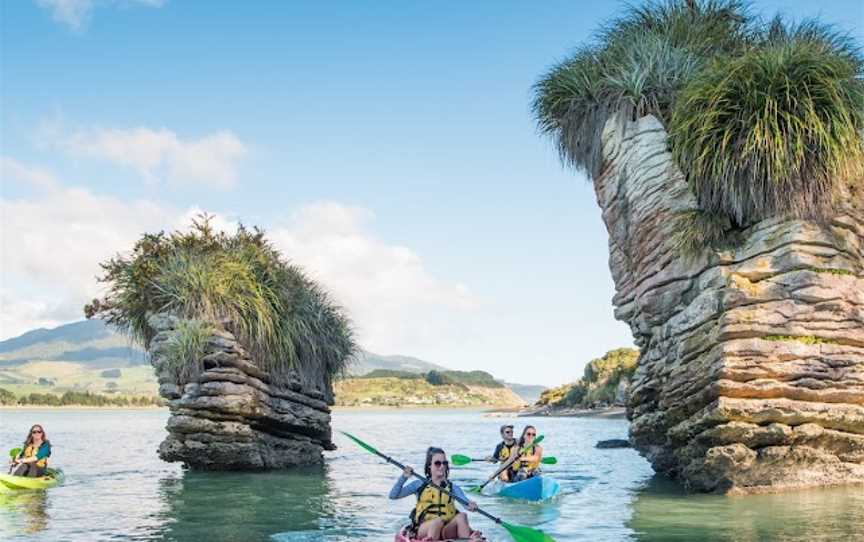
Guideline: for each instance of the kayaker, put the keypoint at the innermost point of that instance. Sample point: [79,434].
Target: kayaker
[435,516]
[33,459]
[504,451]
[529,463]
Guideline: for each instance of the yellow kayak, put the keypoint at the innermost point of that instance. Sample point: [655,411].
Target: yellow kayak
[10,483]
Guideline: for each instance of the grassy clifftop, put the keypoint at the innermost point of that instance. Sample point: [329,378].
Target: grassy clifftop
[599,384]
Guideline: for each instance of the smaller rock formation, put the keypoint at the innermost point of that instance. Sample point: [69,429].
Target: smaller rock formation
[613,443]
[232,415]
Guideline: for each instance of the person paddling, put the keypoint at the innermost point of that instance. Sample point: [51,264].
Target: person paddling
[33,459]
[529,463]
[435,516]
[506,449]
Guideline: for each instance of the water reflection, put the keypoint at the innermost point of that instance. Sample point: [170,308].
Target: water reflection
[663,512]
[24,512]
[244,506]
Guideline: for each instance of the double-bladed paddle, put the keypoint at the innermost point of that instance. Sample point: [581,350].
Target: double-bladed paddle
[519,533]
[478,489]
[460,460]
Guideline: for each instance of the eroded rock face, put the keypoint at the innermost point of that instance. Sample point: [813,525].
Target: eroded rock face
[233,417]
[751,374]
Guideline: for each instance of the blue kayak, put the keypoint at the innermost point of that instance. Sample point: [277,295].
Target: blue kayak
[538,488]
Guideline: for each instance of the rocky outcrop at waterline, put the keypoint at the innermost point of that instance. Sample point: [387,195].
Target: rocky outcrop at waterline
[231,415]
[751,373]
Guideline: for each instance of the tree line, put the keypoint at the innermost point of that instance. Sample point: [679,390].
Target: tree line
[76,398]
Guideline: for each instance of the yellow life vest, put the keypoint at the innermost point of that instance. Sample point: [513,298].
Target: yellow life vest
[432,504]
[504,454]
[31,451]
[529,466]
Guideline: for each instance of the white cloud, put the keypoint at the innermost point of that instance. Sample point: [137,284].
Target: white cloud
[52,243]
[156,154]
[76,13]
[396,304]
[14,171]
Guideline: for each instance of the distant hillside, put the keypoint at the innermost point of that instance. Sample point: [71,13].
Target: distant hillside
[85,356]
[89,356]
[529,392]
[419,392]
[89,342]
[368,362]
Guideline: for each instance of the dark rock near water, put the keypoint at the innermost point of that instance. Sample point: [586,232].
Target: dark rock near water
[232,416]
[613,443]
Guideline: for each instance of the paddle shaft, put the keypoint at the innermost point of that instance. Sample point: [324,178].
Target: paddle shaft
[546,460]
[392,461]
[510,462]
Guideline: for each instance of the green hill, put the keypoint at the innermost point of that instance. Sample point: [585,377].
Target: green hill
[605,382]
[89,356]
[367,362]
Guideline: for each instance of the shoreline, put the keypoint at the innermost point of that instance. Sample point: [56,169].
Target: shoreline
[79,407]
[615,412]
[479,408]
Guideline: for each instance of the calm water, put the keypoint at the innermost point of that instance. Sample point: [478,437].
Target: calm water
[118,489]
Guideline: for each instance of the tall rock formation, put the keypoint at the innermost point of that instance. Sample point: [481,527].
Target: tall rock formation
[232,415]
[751,375]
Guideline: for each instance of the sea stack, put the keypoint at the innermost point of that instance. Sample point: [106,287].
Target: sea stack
[727,156]
[244,344]
[234,416]
[751,373]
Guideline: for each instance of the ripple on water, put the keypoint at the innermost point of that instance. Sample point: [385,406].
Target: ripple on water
[120,490]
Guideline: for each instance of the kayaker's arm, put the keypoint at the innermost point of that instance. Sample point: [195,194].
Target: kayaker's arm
[44,451]
[400,490]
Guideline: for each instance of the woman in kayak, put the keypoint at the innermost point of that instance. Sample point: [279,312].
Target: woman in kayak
[33,459]
[435,516]
[529,463]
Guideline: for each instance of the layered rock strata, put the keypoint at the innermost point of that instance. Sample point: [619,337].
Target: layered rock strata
[234,416]
[751,374]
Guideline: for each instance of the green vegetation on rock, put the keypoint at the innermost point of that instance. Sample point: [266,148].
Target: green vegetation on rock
[804,339]
[764,118]
[839,272]
[283,318]
[599,383]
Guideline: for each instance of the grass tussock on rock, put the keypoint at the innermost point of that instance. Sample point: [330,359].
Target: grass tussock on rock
[764,118]
[203,276]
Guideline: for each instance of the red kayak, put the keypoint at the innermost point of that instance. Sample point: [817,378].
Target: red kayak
[404,536]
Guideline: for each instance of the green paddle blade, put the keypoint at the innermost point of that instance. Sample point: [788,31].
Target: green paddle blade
[549,460]
[13,453]
[360,443]
[520,533]
[459,460]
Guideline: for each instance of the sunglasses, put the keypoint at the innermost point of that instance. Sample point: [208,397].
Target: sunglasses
[33,432]
[441,463]
[530,434]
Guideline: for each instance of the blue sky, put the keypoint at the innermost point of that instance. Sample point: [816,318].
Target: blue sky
[387,146]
